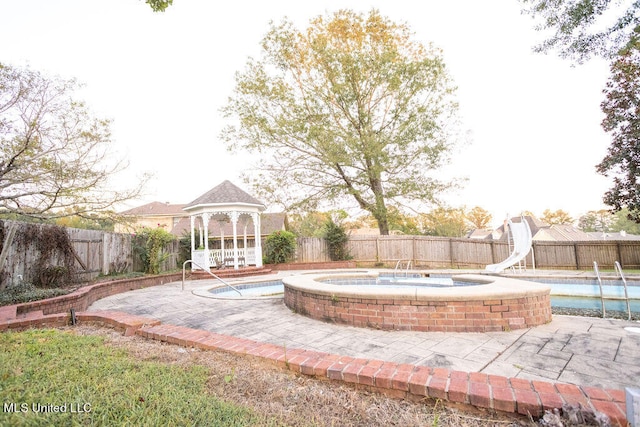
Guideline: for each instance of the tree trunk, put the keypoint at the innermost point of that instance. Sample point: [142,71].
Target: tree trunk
[383,226]
[380,212]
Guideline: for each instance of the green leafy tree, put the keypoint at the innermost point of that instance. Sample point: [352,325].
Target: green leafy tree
[585,28]
[337,238]
[556,217]
[600,220]
[445,222]
[622,222]
[150,244]
[309,224]
[349,109]
[479,217]
[622,120]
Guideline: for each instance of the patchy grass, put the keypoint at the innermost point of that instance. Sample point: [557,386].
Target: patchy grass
[134,381]
[96,384]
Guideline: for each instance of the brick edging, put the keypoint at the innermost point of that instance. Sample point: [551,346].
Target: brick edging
[399,380]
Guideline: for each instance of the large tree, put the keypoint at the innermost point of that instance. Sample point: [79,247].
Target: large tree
[556,217]
[622,120]
[599,220]
[55,157]
[585,28]
[350,107]
[445,222]
[479,217]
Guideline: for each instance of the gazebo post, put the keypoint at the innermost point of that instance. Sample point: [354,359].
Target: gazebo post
[205,220]
[244,243]
[222,257]
[234,225]
[192,220]
[258,238]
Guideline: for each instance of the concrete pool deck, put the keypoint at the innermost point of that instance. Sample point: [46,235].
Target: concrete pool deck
[583,351]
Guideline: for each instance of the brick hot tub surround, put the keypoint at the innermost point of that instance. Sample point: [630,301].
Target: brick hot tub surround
[494,304]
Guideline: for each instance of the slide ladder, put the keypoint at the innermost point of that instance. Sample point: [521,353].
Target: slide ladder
[618,269]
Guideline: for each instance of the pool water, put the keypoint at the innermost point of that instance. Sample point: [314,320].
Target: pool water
[401,282]
[273,289]
[593,303]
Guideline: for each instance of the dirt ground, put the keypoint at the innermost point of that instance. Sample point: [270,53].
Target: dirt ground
[298,400]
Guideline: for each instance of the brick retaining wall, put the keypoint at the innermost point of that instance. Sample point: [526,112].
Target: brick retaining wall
[422,314]
[82,298]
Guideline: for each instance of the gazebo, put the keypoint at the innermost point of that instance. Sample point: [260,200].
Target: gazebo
[225,204]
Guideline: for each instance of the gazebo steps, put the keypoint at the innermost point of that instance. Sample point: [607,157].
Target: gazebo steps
[232,273]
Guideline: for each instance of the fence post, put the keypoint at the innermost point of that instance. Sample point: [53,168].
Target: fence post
[413,250]
[451,251]
[619,251]
[575,254]
[493,252]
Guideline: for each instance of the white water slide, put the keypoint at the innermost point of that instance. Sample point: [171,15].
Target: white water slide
[521,237]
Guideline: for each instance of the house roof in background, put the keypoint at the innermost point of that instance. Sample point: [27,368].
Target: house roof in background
[620,235]
[225,193]
[484,234]
[157,208]
[562,232]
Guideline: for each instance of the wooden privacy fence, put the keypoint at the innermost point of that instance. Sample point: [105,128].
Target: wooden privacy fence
[95,252]
[444,252]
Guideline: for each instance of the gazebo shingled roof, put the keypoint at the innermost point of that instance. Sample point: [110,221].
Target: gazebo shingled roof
[225,193]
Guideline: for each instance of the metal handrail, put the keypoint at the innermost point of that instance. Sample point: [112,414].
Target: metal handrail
[208,271]
[409,265]
[597,271]
[618,268]
[399,265]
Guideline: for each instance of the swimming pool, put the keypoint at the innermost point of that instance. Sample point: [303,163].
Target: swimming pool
[565,293]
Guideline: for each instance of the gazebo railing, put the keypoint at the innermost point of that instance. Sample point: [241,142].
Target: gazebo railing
[249,255]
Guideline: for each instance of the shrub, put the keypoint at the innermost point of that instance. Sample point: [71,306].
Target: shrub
[26,292]
[149,245]
[337,239]
[280,247]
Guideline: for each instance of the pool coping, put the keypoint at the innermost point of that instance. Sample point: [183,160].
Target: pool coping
[490,287]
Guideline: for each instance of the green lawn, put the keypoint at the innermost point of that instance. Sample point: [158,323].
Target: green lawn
[89,383]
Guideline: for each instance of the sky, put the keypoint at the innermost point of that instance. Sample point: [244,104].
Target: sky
[532,120]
